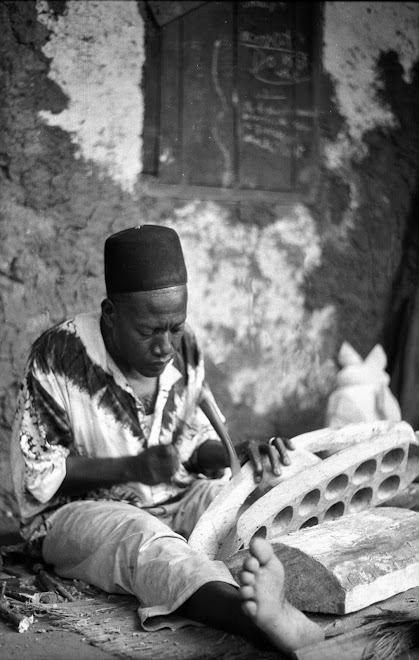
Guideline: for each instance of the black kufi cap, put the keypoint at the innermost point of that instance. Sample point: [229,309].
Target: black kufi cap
[142,259]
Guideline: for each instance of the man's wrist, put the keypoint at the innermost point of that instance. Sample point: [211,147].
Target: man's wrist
[192,464]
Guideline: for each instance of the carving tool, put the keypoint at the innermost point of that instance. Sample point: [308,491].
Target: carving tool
[209,408]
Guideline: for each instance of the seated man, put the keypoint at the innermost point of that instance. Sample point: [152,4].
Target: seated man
[110,451]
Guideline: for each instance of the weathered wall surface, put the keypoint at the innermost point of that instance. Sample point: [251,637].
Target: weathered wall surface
[272,294]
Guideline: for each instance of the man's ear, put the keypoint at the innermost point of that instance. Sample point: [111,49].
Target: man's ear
[108,313]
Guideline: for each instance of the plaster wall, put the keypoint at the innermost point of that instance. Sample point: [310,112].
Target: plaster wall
[273,293]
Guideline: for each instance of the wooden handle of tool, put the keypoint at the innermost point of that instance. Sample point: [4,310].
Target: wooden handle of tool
[210,410]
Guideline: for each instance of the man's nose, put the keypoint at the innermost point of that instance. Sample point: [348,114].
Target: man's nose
[162,346]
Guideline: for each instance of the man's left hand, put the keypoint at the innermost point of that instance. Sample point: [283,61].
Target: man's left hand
[277,451]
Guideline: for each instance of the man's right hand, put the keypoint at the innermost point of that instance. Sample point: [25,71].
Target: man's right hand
[155,465]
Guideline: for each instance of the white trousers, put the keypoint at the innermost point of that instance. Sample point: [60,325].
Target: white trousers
[123,549]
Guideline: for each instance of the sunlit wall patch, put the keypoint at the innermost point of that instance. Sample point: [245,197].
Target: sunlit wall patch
[97,54]
[355,34]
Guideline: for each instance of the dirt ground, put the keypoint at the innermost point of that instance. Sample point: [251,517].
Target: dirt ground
[47,645]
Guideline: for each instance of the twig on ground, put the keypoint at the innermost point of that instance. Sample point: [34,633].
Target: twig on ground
[22,623]
[51,583]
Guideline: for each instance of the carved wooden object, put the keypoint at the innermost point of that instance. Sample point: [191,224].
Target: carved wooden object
[333,440]
[359,477]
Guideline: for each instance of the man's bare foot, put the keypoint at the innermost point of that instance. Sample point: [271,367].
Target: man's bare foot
[262,592]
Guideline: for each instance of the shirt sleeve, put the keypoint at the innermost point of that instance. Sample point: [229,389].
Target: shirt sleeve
[43,432]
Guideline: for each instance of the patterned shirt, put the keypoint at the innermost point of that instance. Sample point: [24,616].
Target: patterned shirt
[75,400]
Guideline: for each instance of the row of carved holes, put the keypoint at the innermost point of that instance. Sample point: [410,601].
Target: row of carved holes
[366,471]
[359,501]
[363,473]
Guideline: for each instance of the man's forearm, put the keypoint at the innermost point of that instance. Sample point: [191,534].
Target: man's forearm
[152,466]
[84,473]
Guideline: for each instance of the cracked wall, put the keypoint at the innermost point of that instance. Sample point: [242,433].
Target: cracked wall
[273,293]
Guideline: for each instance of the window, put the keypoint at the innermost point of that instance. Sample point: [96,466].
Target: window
[231,108]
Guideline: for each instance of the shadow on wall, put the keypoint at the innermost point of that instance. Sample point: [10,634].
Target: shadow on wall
[402,332]
[401,337]
[358,274]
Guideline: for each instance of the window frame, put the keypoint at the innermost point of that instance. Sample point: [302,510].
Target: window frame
[150,180]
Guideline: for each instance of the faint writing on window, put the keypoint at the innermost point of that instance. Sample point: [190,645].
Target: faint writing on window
[270,40]
[270,6]
[273,59]
[279,131]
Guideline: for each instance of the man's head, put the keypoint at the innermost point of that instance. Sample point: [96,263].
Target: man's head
[145,310]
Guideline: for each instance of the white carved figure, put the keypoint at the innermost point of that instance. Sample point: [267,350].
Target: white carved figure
[362,391]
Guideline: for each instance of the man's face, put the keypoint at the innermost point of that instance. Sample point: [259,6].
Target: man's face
[146,328]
